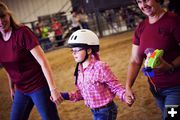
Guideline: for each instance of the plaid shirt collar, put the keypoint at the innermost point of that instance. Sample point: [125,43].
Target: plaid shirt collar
[90,65]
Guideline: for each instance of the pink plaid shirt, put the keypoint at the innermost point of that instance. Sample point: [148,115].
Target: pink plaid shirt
[97,85]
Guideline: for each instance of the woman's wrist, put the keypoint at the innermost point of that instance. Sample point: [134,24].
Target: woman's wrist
[53,89]
[172,67]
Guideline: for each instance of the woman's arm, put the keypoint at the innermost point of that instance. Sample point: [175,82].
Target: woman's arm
[176,62]
[165,66]
[39,55]
[134,66]
[11,86]
[133,70]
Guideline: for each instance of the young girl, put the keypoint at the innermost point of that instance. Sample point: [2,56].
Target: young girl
[95,82]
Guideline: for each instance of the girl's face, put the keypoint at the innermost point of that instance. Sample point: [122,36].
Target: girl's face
[4,23]
[148,7]
[78,54]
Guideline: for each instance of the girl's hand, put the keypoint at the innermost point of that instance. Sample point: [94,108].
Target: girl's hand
[129,97]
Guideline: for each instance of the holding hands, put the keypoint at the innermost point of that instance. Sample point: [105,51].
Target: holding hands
[56,97]
[129,97]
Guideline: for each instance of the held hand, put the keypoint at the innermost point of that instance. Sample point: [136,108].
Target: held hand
[56,97]
[129,97]
[164,66]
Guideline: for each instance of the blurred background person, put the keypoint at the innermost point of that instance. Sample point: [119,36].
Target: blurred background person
[58,30]
[75,20]
[84,19]
[174,6]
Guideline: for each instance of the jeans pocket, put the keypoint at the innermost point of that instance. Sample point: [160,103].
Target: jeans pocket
[113,112]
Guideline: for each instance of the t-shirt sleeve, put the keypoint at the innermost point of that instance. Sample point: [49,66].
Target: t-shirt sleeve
[137,34]
[177,30]
[29,38]
[136,39]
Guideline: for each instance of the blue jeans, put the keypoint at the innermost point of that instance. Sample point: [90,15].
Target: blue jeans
[105,113]
[166,96]
[24,102]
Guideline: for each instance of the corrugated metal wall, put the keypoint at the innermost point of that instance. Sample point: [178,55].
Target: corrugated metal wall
[28,10]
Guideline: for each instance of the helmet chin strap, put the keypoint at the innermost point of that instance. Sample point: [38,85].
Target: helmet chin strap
[76,70]
[86,57]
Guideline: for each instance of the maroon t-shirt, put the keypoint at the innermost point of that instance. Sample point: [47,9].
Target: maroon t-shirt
[16,58]
[164,34]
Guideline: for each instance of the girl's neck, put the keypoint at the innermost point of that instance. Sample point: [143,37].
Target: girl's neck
[86,63]
[91,58]
[157,16]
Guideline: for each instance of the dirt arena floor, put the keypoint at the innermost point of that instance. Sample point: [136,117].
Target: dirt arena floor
[115,50]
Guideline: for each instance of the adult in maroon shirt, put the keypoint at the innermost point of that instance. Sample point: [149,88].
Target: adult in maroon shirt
[160,30]
[29,74]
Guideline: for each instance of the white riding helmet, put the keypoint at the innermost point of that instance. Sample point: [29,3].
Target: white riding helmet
[84,38]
